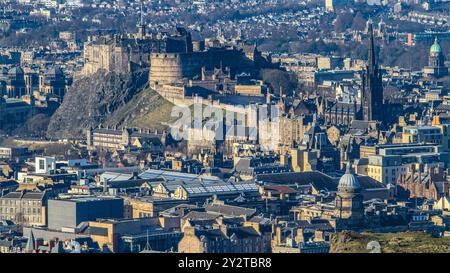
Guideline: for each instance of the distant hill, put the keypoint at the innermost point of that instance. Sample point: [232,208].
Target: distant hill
[109,99]
[400,242]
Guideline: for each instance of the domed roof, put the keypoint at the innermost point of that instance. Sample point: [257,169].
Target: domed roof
[435,48]
[349,181]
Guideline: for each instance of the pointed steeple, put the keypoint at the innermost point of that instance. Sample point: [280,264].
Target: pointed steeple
[147,244]
[371,58]
[372,86]
[58,248]
[141,26]
[142,14]
[368,25]
[30,243]
[348,168]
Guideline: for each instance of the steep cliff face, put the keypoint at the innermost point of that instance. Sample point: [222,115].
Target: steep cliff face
[91,100]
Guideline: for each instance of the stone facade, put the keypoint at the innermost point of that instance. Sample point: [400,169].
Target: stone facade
[123,54]
[222,239]
[26,208]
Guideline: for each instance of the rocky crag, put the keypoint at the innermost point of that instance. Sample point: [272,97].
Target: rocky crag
[106,99]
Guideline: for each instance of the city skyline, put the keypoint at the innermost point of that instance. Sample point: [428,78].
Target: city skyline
[261,126]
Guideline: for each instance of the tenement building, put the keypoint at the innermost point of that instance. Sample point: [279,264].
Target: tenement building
[221,238]
[24,207]
[113,139]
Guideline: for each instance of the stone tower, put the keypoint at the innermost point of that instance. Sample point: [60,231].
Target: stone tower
[436,59]
[141,32]
[372,88]
[349,201]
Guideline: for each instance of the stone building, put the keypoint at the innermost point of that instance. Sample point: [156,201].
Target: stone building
[123,54]
[173,68]
[372,89]
[349,200]
[112,139]
[54,82]
[222,238]
[24,207]
[429,184]
[14,112]
[341,113]
[436,62]
[282,129]
[170,68]
[371,104]
[15,84]
[347,209]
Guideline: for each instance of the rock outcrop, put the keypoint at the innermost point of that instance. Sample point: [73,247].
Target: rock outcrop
[91,100]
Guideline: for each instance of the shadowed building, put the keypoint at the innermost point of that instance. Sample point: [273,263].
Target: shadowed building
[15,83]
[53,82]
[372,89]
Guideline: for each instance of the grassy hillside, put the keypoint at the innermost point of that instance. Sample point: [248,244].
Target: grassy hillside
[402,242]
[147,109]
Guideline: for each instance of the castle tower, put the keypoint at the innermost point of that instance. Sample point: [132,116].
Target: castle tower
[372,88]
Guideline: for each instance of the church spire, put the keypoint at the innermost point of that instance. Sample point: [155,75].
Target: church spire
[372,86]
[371,57]
[30,246]
[142,14]
[141,26]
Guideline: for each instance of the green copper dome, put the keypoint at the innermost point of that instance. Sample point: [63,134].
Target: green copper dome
[435,48]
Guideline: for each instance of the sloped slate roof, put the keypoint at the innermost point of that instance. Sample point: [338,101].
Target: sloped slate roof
[319,180]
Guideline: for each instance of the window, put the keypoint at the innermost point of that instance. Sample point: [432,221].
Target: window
[41,164]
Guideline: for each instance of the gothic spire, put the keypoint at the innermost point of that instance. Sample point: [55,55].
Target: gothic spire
[141,25]
[142,14]
[371,58]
